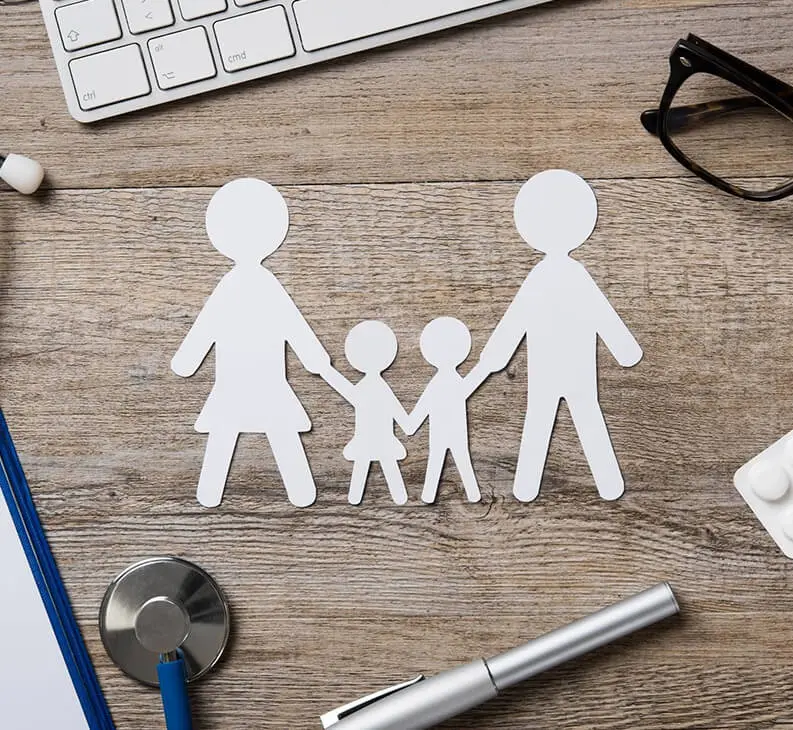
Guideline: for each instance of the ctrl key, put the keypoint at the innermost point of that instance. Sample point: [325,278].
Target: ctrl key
[109,77]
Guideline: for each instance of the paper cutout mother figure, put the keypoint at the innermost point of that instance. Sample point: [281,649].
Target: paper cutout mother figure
[249,318]
[560,311]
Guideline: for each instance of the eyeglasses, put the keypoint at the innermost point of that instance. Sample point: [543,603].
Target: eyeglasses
[726,121]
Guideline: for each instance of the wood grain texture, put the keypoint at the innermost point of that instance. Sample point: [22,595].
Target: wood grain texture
[553,86]
[101,277]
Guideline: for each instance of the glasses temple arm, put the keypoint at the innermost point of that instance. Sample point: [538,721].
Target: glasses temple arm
[682,117]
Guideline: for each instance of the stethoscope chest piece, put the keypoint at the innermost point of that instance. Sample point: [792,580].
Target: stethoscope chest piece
[160,607]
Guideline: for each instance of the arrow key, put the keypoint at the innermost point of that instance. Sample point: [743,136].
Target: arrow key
[145,15]
[87,23]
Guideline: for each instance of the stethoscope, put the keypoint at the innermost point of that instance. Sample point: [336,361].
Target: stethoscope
[165,622]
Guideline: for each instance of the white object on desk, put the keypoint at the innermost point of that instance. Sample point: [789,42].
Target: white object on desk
[36,690]
[445,344]
[765,484]
[306,32]
[371,348]
[21,173]
[249,319]
[560,312]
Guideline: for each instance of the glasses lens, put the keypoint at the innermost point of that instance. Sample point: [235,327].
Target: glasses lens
[732,134]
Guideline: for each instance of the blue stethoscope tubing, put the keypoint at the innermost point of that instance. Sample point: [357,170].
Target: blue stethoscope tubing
[173,689]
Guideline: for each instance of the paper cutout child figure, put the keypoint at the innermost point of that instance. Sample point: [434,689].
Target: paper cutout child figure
[561,312]
[371,348]
[249,318]
[445,344]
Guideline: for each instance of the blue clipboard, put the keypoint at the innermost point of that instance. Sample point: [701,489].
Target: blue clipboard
[16,492]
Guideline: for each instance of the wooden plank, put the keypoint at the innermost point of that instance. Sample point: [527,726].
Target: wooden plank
[555,86]
[98,288]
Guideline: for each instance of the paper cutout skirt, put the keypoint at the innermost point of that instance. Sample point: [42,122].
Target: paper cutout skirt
[262,411]
[361,448]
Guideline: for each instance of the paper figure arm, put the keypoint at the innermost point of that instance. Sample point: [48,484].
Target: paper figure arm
[612,330]
[198,341]
[340,384]
[301,337]
[507,336]
[471,382]
[418,415]
[400,414]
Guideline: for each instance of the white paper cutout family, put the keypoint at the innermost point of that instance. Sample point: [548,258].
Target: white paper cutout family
[250,318]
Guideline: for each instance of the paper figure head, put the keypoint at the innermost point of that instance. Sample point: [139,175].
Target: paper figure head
[445,342]
[556,211]
[247,219]
[371,346]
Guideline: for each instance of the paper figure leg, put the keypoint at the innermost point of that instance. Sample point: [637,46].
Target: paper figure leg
[215,469]
[595,439]
[462,457]
[433,477]
[537,430]
[393,478]
[290,456]
[360,472]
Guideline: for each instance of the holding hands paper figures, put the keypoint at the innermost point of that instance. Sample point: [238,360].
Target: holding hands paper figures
[250,318]
[560,311]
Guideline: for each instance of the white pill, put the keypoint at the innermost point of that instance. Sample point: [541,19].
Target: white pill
[787,522]
[789,452]
[769,481]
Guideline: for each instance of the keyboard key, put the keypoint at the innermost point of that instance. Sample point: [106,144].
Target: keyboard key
[182,58]
[325,23]
[254,38]
[192,9]
[144,15]
[109,77]
[87,23]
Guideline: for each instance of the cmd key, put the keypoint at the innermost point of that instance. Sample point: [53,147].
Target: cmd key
[254,38]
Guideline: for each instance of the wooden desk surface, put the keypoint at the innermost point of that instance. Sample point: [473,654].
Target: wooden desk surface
[400,168]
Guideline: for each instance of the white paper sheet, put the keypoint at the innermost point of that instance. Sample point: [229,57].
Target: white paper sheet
[36,690]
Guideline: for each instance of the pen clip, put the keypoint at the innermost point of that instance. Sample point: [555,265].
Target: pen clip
[329,719]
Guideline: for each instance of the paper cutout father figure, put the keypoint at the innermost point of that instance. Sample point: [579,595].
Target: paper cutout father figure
[560,311]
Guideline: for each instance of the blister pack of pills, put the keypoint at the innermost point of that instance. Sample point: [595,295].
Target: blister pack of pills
[766,483]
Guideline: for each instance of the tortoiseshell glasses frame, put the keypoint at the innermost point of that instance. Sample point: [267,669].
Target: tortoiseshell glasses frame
[694,55]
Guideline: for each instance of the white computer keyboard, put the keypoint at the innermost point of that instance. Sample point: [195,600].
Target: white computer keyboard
[117,56]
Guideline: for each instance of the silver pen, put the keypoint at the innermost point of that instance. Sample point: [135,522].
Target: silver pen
[424,703]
